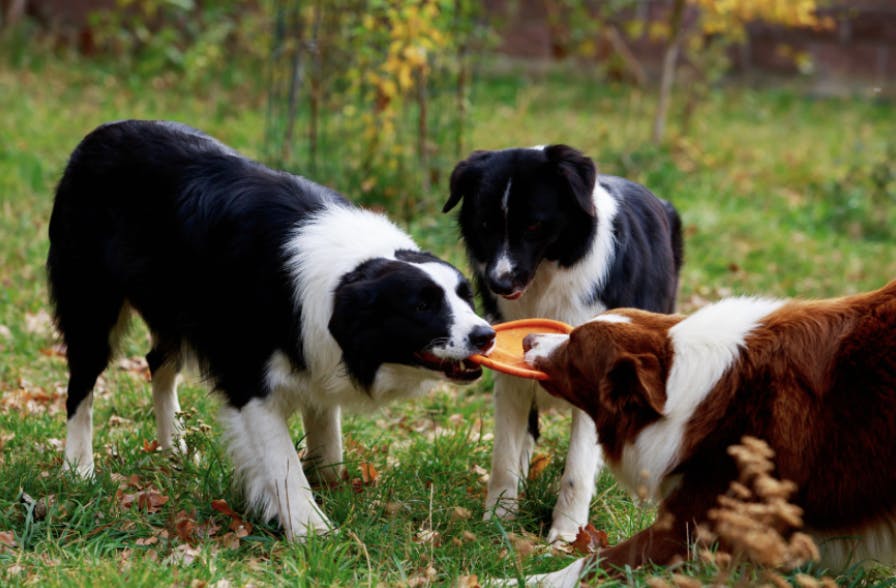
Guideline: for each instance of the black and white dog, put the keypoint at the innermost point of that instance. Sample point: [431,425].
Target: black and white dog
[548,237]
[290,299]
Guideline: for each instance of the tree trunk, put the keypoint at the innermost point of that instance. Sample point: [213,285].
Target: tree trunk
[670,59]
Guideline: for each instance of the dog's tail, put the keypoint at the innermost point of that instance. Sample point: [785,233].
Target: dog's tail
[676,233]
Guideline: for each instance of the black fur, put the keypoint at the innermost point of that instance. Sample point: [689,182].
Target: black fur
[160,217]
[551,217]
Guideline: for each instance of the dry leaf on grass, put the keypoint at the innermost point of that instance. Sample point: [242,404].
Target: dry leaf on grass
[185,526]
[55,350]
[151,446]
[7,540]
[38,323]
[589,540]
[30,399]
[369,475]
[523,544]
[229,541]
[183,554]
[237,524]
[428,536]
[459,513]
[423,577]
[538,464]
[136,366]
[468,582]
[150,499]
[145,541]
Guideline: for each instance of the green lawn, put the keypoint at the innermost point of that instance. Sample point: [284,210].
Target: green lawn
[780,194]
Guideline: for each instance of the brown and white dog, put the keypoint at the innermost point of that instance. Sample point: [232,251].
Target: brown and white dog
[669,394]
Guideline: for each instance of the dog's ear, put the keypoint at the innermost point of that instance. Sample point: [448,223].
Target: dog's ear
[464,178]
[353,300]
[578,171]
[635,380]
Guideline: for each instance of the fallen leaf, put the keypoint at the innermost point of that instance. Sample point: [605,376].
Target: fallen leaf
[468,582]
[55,350]
[538,464]
[229,541]
[39,508]
[38,323]
[4,437]
[185,527]
[7,539]
[150,446]
[369,475]
[588,540]
[428,536]
[423,577]
[459,513]
[144,541]
[5,333]
[135,366]
[237,524]
[183,555]
[522,544]
[150,500]
[119,421]
[31,399]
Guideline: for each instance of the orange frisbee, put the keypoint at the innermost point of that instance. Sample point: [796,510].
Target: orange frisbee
[507,356]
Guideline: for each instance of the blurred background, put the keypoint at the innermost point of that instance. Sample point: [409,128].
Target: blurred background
[770,124]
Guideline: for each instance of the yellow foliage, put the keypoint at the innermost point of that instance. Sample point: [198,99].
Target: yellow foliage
[730,17]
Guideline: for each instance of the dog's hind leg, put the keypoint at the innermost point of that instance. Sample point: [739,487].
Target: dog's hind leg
[91,334]
[164,366]
[262,450]
[512,447]
[323,438]
[583,461]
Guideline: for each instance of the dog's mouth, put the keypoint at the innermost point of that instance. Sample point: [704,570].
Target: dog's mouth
[462,370]
[513,295]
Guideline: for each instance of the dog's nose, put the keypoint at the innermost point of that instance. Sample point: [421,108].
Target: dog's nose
[501,285]
[529,341]
[481,337]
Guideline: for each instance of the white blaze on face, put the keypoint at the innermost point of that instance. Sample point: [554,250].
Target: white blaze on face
[504,264]
[544,345]
[463,318]
[609,317]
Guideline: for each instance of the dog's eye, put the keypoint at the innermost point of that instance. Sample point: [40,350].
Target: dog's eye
[429,300]
[464,291]
[534,227]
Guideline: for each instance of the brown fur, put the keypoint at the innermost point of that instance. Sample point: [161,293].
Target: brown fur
[816,381]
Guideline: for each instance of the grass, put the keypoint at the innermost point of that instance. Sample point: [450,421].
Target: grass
[780,194]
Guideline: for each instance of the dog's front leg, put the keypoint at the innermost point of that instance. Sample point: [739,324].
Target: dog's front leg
[513,445]
[577,484]
[261,447]
[323,439]
[662,543]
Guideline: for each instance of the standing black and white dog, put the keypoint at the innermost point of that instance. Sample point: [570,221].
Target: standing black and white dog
[548,237]
[290,299]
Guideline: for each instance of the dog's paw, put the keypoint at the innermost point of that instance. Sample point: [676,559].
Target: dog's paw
[562,533]
[82,469]
[504,510]
[313,523]
[568,577]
